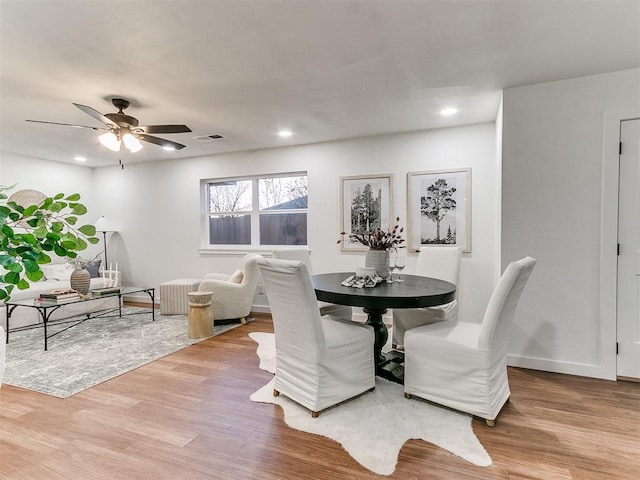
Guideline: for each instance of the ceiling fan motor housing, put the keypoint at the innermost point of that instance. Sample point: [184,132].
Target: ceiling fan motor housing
[120,118]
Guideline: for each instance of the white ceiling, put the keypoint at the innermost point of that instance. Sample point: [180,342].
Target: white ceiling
[325,69]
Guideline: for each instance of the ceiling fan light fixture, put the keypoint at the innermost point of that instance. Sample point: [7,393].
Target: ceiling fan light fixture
[110,140]
[131,142]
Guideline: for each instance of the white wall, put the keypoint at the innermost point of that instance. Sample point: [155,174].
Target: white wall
[552,209]
[51,178]
[156,205]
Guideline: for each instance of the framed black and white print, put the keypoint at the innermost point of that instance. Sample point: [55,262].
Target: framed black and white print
[365,205]
[439,204]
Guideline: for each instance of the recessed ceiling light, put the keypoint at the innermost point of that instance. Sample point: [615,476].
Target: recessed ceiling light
[285,133]
[448,111]
[168,148]
[80,159]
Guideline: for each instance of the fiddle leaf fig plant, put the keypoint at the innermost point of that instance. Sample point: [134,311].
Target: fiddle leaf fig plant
[29,234]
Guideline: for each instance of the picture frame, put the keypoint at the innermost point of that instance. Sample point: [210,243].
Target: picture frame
[365,204]
[439,208]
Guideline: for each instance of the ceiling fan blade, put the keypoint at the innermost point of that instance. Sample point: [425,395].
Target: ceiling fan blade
[160,141]
[97,115]
[67,125]
[163,129]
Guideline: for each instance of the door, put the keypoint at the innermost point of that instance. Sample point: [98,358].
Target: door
[628,301]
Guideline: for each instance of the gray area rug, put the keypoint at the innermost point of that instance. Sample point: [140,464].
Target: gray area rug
[94,351]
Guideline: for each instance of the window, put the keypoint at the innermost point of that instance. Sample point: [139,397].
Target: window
[257,211]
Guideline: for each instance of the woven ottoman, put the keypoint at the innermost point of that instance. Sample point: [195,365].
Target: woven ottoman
[173,295]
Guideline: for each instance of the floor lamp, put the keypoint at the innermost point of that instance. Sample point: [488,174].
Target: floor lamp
[103,225]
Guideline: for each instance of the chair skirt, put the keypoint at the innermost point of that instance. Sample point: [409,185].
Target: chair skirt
[337,370]
[444,365]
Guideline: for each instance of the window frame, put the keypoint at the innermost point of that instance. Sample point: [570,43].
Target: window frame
[255,247]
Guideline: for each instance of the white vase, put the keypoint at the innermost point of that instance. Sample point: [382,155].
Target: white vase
[379,260]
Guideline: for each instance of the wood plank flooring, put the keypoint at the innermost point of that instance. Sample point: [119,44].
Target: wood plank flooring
[188,416]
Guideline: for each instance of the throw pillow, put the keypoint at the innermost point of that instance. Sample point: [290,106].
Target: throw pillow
[93,267]
[236,277]
[57,271]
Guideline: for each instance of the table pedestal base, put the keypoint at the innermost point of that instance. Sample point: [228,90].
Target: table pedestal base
[374,319]
[391,365]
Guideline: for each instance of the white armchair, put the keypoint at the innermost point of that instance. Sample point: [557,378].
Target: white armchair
[302,255]
[233,294]
[320,361]
[442,263]
[463,365]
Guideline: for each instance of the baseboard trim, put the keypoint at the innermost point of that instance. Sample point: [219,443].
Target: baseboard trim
[555,366]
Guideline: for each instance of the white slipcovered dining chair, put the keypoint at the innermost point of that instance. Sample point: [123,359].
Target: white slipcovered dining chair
[302,255]
[320,361]
[463,365]
[233,294]
[442,263]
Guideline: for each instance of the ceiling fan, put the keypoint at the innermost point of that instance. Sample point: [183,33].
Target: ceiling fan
[122,129]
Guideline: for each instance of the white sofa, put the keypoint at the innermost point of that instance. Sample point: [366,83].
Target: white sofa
[57,277]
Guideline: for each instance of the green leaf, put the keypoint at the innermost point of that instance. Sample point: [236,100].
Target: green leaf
[3,294]
[30,266]
[6,260]
[32,255]
[14,268]
[93,240]
[69,245]
[47,203]
[59,250]
[7,230]
[35,276]
[12,277]
[57,206]
[29,238]
[22,284]
[74,197]
[29,211]
[43,258]
[81,244]
[71,220]
[58,196]
[88,230]
[57,226]
[79,209]
[40,232]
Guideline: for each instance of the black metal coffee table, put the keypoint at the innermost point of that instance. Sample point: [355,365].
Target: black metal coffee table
[46,308]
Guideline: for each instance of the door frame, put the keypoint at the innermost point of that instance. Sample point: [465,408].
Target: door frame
[609,237]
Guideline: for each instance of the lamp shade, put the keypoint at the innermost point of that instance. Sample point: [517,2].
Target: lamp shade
[104,225]
[110,140]
[131,142]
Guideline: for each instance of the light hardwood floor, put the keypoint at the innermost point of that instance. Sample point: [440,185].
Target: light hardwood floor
[188,416]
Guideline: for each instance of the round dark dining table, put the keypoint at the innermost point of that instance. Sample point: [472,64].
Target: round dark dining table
[413,292]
